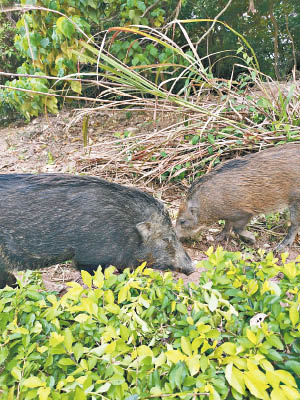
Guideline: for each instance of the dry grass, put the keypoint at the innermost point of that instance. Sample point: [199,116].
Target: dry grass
[168,152]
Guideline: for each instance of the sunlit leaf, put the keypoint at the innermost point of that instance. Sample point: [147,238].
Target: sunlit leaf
[235,378]
[294,314]
[186,345]
[33,382]
[174,356]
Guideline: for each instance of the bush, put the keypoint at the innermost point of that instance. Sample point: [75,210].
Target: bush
[9,61]
[141,335]
[9,58]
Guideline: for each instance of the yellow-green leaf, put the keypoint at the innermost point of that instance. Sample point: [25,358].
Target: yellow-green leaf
[81,318]
[252,287]
[87,278]
[76,86]
[251,336]
[174,356]
[229,348]
[144,302]
[294,314]
[266,287]
[33,382]
[290,270]
[81,380]
[213,394]
[277,376]
[68,341]
[196,343]
[155,391]
[20,329]
[109,297]
[141,322]
[55,339]
[193,364]
[291,393]
[160,360]
[110,348]
[256,387]
[213,303]
[104,388]
[66,362]
[89,305]
[144,351]
[123,294]
[113,308]
[124,332]
[11,393]
[266,365]
[42,349]
[235,378]
[205,346]
[173,305]
[202,328]
[16,373]
[43,393]
[278,394]
[109,272]
[186,346]
[79,394]
[239,362]
[98,279]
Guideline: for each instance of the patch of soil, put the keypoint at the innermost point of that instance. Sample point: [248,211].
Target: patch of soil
[55,144]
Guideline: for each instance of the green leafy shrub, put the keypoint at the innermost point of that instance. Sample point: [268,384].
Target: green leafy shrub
[9,61]
[142,335]
[48,37]
[9,58]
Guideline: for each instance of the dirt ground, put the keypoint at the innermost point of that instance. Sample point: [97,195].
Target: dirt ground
[55,144]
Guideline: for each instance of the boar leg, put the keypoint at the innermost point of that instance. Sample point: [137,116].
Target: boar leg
[293,229]
[239,225]
[225,232]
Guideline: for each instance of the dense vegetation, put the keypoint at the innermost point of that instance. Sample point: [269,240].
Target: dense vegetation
[50,34]
[141,335]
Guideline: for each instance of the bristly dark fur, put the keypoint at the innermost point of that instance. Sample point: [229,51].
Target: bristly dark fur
[35,182]
[32,182]
[47,219]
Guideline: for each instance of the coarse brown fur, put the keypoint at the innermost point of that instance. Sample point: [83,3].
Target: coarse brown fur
[239,189]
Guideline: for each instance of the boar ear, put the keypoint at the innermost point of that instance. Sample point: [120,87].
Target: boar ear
[145,229]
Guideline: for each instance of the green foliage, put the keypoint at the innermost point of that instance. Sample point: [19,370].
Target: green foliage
[47,39]
[141,335]
[9,61]
[257,26]
[9,57]
[28,102]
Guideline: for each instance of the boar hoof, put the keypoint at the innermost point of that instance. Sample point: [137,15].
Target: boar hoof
[222,236]
[247,237]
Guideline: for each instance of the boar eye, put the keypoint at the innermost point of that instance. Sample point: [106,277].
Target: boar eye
[181,221]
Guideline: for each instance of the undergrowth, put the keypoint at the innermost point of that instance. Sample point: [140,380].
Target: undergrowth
[142,335]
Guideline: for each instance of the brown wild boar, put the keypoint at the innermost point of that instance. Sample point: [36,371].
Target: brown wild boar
[239,189]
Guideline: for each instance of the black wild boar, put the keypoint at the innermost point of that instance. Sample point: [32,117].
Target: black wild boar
[239,189]
[50,218]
